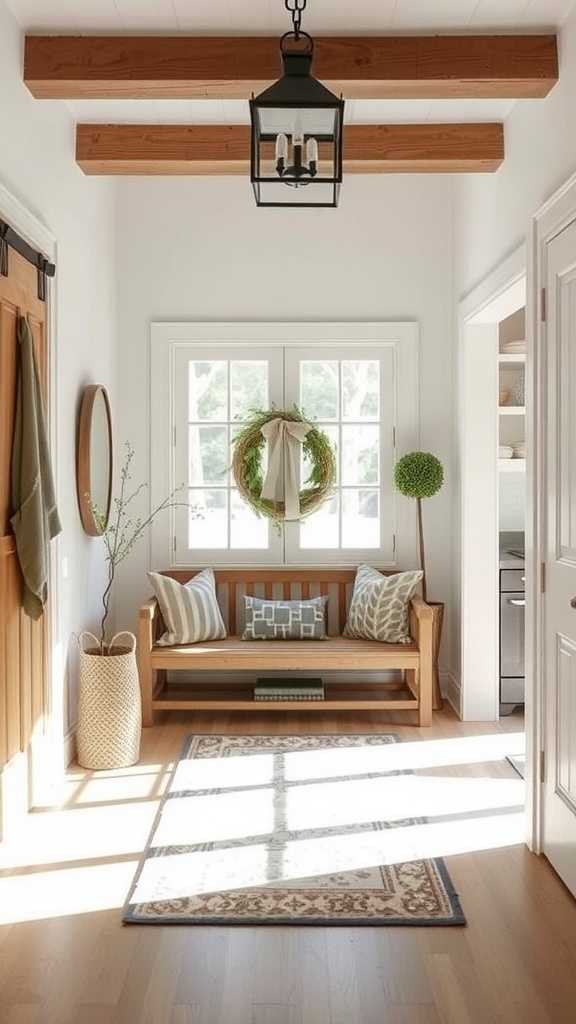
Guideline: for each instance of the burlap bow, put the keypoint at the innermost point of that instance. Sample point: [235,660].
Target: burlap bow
[282,477]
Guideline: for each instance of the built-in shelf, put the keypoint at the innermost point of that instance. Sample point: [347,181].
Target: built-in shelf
[512,410]
[512,465]
[509,359]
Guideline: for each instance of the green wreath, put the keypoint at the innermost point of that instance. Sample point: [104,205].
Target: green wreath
[249,447]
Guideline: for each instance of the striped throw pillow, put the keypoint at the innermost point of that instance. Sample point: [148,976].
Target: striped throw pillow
[379,606]
[190,611]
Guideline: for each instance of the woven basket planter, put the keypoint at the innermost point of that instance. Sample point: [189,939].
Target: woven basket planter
[109,706]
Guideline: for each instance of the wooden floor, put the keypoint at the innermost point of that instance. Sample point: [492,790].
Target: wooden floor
[66,959]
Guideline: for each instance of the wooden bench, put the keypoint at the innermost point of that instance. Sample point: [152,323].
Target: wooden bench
[337,653]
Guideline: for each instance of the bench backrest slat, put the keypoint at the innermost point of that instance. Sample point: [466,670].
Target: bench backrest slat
[288,583]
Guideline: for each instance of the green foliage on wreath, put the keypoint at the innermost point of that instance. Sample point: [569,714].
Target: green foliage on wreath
[249,446]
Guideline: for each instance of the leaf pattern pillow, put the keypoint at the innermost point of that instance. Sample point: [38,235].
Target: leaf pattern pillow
[379,606]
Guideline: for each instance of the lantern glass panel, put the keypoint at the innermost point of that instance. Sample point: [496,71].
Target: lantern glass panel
[278,193]
[315,121]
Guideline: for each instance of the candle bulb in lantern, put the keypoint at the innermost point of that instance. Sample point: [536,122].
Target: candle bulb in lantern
[281,152]
[312,155]
[281,146]
[297,134]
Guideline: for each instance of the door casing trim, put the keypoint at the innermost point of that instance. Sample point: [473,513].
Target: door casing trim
[498,295]
[557,213]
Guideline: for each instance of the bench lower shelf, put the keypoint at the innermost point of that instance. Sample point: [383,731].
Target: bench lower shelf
[336,700]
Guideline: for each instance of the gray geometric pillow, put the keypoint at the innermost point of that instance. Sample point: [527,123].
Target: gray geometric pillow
[379,606]
[285,620]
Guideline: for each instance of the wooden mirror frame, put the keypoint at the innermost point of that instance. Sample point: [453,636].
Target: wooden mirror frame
[83,474]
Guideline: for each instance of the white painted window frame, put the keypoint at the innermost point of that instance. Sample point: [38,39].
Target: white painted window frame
[386,354]
[402,337]
[176,521]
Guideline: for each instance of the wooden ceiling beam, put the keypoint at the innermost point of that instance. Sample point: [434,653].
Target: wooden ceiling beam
[365,67]
[224,149]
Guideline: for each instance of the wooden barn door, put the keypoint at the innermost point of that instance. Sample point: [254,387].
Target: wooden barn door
[24,691]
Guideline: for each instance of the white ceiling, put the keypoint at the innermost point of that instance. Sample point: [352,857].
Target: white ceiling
[269,17]
[236,111]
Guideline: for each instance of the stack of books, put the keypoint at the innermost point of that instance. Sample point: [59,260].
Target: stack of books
[289,689]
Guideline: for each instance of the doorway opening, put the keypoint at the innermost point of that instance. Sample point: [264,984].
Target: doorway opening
[493,408]
[493,457]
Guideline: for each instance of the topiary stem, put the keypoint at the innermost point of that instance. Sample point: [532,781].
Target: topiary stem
[421,544]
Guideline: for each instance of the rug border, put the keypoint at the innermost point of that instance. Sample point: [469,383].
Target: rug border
[458,918]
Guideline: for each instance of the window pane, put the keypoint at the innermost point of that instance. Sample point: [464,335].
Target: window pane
[247,530]
[208,455]
[361,519]
[360,389]
[360,455]
[207,390]
[305,463]
[320,530]
[211,529]
[319,389]
[248,387]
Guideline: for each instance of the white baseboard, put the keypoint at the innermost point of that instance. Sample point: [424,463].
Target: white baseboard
[452,691]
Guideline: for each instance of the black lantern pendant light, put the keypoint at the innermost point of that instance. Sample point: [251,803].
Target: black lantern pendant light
[296,157]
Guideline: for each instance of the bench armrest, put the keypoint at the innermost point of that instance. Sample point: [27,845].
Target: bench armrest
[149,610]
[420,608]
[148,618]
[147,623]
[422,630]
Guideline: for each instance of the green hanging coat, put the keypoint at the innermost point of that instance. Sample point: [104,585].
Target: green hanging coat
[35,518]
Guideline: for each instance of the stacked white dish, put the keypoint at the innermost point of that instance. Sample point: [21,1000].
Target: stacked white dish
[514,348]
[519,450]
[505,451]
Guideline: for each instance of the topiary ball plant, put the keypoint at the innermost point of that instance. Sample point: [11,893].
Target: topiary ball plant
[419,475]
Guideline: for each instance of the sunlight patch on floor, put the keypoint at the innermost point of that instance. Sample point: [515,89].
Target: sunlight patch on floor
[229,816]
[223,772]
[340,761]
[55,837]
[322,820]
[181,875]
[61,893]
[258,769]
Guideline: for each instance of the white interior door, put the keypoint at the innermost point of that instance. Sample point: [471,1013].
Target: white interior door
[559,808]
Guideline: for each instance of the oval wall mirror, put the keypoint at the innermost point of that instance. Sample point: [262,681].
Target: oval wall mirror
[94,464]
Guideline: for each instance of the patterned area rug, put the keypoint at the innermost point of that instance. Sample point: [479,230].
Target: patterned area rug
[286,830]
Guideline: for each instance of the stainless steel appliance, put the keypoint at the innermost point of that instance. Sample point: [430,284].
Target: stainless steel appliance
[512,604]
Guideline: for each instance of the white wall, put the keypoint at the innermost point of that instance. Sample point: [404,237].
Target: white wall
[492,212]
[37,166]
[512,502]
[199,249]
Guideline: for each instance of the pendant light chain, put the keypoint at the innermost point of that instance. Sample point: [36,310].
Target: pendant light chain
[295,8]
